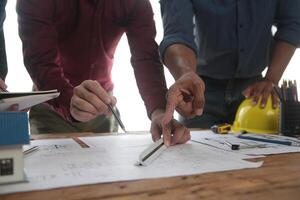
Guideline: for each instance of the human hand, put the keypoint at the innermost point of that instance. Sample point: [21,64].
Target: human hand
[263,90]
[14,108]
[3,86]
[173,132]
[90,100]
[186,95]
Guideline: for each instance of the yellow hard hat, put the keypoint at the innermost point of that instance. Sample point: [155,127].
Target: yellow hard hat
[254,119]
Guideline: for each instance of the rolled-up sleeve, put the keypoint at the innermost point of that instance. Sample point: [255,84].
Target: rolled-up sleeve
[288,22]
[178,22]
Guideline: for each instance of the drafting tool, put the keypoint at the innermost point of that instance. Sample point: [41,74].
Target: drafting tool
[253,145]
[117,117]
[232,146]
[230,141]
[283,140]
[29,149]
[204,143]
[151,153]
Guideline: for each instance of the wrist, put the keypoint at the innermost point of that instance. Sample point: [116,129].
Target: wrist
[156,112]
[183,71]
[180,60]
[272,79]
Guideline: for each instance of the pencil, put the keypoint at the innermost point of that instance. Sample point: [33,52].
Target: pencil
[278,92]
[296,90]
[117,117]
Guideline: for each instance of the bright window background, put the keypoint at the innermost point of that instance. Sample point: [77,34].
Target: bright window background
[129,102]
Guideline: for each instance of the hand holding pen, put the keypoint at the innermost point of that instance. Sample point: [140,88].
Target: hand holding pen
[90,100]
[117,118]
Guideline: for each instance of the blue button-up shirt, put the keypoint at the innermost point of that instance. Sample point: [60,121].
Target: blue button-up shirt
[3,62]
[232,38]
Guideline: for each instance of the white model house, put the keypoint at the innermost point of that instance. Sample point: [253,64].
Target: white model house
[13,134]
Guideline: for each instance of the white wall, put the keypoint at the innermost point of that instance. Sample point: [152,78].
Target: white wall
[129,102]
[17,78]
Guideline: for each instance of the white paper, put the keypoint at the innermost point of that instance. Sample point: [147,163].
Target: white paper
[216,140]
[111,158]
[27,101]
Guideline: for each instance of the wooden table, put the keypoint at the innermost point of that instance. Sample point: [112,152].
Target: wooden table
[278,178]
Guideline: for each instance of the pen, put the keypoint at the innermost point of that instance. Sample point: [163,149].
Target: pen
[296,90]
[274,141]
[284,89]
[117,117]
[278,92]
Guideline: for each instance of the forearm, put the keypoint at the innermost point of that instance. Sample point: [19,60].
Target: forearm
[148,69]
[151,84]
[40,51]
[180,60]
[281,57]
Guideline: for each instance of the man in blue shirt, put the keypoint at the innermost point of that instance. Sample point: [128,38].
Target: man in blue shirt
[217,51]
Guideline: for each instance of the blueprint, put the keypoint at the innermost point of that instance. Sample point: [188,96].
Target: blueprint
[63,163]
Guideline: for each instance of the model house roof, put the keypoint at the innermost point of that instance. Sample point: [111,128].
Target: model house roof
[14,128]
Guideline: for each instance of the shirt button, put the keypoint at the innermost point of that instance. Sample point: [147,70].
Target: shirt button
[93,66]
[242,50]
[241,25]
